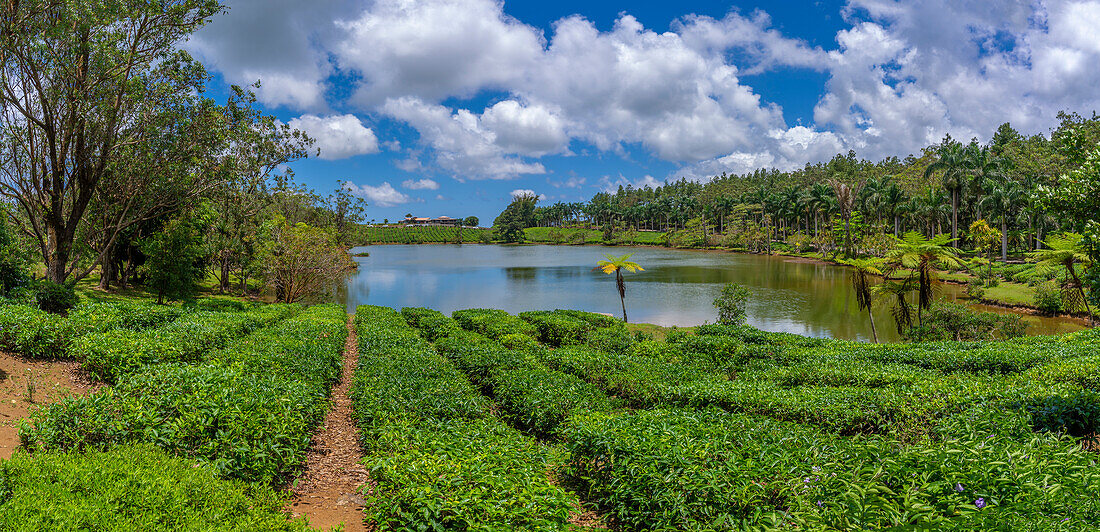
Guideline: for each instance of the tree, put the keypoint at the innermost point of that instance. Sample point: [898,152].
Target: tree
[516,217]
[90,90]
[1004,199]
[471,221]
[1076,196]
[731,304]
[175,259]
[921,256]
[902,310]
[1066,251]
[304,261]
[616,265]
[13,264]
[846,196]
[952,162]
[860,274]
[983,236]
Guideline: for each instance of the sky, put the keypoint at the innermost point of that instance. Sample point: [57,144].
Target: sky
[451,107]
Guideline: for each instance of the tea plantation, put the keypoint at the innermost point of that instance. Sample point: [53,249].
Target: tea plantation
[205,415]
[549,420]
[488,421]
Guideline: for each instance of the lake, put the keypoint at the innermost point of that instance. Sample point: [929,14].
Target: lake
[678,287]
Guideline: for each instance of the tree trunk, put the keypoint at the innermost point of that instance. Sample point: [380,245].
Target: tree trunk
[1004,239]
[954,214]
[622,292]
[874,332]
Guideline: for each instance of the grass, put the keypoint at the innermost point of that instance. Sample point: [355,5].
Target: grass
[658,332]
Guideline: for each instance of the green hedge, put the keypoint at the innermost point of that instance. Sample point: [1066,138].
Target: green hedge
[131,488]
[114,353]
[249,410]
[493,323]
[556,329]
[32,332]
[441,462]
[709,470]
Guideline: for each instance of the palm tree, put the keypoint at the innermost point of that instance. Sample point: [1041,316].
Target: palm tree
[616,265]
[953,161]
[1005,198]
[921,256]
[894,200]
[902,309]
[860,274]
[1066,251]
[821,201]
[846,201]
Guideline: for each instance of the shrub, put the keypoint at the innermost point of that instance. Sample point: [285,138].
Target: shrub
[953,321]
[492,323]
[440,461]
[731,304]
[1075,412]
[131,488]
[611,339]
[1048,298]
[250,411]
[555,329]
[32,332]
[55,298]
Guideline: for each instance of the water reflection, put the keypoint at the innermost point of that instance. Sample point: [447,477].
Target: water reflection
[677,287]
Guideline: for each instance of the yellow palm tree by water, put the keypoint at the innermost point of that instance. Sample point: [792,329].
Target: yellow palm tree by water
[616,265]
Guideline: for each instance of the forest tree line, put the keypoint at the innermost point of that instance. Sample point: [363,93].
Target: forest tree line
[115,158]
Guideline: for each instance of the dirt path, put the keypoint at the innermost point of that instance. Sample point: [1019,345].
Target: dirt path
[326,491]
[25,383]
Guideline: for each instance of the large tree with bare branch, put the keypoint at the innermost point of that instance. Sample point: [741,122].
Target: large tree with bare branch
[99,108]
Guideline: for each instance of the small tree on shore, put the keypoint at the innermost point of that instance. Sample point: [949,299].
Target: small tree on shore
[304,261]
[616,265]
[731,304]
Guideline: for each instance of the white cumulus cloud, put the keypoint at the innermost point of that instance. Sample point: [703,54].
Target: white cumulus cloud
[338,136]
[383,195]
[420,184]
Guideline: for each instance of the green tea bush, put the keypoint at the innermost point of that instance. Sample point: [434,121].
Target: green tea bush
[708,470]
[249,410]
[493,323]
[131,488]
[441,462]
[954,321]
[1082,371]
[90,318]
[54,298]
[555,329]
[614,339]
[594,319]
[114,353]
[32,332]
[432,323]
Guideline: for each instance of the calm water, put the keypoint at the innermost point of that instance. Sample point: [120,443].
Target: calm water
[676,288]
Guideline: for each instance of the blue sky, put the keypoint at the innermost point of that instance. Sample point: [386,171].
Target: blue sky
[448,107]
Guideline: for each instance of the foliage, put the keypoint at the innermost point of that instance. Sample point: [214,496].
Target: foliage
[249,409]
[53,297]
[731,304]
[556,329]
[304,262]
[493,323]
[616,265]
[440,462]
[1076,195]
[85,71]
[112,491]
[13,265]
[517,216]
[175,259]
[471,221]
[953,321]
[1048,298]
